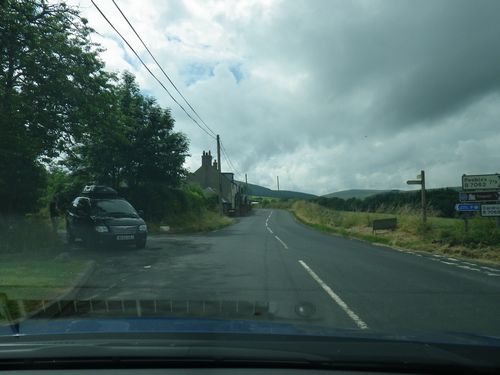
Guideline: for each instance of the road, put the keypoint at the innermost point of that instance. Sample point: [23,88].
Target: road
[269,266]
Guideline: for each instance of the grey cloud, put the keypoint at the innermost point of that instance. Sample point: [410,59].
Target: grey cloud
[344,94]
[422,60]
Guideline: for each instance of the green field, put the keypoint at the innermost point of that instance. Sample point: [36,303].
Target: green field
[441,235]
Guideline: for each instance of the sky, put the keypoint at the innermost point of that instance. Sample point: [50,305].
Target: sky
[328,95]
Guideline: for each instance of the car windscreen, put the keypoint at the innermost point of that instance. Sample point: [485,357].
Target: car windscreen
[112,207]
[179,170]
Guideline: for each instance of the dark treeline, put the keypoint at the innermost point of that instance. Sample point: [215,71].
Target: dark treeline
[441,201]
[65,121]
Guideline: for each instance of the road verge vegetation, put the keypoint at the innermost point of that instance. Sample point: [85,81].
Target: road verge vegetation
[27,287]
[184,210]
[28,235]
[203,220]
[442,235]
[33,266]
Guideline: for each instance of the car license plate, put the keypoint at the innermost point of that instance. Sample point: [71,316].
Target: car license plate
[126,237]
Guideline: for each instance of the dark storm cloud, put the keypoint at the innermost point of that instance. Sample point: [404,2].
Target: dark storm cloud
[420,59]
[455,61]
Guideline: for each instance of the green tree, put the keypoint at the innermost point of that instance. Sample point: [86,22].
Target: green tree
[154,153]
[49,79]
[134,149]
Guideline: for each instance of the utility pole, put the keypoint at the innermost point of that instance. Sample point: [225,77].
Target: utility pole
[220,175]
[278,182]
[246,184]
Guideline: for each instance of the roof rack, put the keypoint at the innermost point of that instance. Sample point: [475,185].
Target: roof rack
[99,191]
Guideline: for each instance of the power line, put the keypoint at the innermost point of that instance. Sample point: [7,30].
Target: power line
[159,66]
[150,72]
[228,160]
[225,154]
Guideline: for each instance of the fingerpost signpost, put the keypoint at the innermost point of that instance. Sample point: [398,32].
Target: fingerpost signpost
[421,182]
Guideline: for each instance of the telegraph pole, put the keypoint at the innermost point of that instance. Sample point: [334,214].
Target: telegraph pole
[220,175]
[278,182]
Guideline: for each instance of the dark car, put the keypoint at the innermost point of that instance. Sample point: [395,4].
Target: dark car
[99,217]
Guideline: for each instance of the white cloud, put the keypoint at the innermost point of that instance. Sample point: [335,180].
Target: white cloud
[330,95]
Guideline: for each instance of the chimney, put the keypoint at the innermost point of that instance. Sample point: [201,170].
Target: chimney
[206,159]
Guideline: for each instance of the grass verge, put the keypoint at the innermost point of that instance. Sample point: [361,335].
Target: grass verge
[33,282]
[441,236]
[202,221]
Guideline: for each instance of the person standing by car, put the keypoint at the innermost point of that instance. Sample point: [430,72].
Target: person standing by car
[54,212]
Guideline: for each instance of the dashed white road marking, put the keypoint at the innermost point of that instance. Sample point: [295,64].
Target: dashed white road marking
[489,268]
[468,268]
[469,264]
[357,320]
[271,231]
[485,270]
[450,263]
[267,220]
[284,244]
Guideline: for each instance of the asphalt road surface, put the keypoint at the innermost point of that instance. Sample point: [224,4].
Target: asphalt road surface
[269,266]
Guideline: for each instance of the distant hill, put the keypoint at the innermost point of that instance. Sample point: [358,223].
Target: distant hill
[356,193]
[261,191]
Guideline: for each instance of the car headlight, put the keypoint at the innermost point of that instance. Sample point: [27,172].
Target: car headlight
[101,229]
[143,228]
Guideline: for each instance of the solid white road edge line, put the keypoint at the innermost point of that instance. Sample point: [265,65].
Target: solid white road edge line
[270,230]
[359,322]
[279,239]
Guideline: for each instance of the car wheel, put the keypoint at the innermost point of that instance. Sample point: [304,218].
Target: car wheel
[140,244]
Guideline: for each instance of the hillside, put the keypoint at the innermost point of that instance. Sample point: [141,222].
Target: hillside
[356,193]
[261,191]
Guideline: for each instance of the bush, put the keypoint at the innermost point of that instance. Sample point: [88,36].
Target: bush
[482,232]
[22,184]
[159,201]
[28,235]
[276,203]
